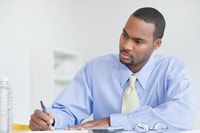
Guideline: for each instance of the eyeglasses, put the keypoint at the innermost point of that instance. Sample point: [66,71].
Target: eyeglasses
[145,128]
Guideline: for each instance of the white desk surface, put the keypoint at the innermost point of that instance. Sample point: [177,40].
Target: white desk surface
[86,131]
[57,131]
[193,131]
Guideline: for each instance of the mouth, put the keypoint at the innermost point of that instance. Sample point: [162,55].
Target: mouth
[125,56]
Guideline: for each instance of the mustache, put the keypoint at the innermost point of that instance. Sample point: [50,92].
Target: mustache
[126,52]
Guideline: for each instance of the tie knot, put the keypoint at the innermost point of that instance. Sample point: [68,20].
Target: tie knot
[132,80]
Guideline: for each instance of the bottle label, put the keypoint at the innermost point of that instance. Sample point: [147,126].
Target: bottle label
[5,108]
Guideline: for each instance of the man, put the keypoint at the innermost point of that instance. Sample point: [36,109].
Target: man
[162,85]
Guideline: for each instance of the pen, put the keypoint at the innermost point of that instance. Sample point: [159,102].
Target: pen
[45,111]
[43,107]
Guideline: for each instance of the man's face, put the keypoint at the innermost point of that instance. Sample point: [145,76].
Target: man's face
[137,43]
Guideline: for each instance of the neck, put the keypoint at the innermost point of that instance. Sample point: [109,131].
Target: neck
[136,69]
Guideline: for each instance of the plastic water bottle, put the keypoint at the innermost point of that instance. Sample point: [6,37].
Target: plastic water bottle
[5,106]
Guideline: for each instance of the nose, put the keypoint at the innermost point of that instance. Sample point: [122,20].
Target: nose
[127,44]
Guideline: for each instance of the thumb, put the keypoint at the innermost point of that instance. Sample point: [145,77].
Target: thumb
[51,115]
[51,120]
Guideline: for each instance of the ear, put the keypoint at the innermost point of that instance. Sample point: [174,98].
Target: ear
[157,43]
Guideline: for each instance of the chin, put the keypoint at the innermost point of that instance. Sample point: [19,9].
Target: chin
[126,62]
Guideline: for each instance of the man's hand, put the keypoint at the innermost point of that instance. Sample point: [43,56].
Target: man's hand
[40,121]
[94,123]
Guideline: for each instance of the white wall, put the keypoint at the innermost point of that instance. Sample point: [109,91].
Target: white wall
[91,27]
[25,24]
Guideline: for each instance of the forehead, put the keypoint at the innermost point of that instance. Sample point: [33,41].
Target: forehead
[136,27]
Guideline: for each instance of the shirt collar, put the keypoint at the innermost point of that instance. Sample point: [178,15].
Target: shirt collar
[142,76]
[124,74]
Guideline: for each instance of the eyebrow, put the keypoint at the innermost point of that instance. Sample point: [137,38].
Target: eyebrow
[139,39]
[125,32]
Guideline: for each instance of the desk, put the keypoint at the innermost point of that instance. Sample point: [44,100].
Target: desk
[193,131]
[57,131]
[86,131]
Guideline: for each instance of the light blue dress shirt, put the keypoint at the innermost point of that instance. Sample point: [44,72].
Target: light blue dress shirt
[163,85]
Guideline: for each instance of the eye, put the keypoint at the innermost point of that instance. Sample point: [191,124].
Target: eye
[138,42]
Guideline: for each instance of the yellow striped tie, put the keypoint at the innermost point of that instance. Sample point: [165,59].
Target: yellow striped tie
[130,98]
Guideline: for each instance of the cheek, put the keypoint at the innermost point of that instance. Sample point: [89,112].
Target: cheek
[147,53]
[139,50]
[142,52]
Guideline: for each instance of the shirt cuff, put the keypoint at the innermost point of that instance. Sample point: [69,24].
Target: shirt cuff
[129,120]
[120,120]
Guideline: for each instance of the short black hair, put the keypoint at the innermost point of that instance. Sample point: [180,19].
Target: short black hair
[152,15]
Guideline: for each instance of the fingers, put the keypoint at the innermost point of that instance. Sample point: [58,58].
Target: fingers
[33,126]
[37,125]
[39,121]
[41,115]
[51,116]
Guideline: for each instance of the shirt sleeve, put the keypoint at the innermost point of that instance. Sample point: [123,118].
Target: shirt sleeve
[74,104]
[177,112]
